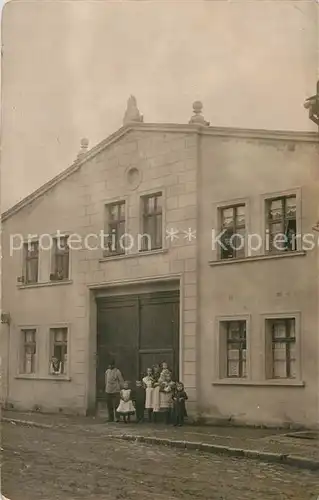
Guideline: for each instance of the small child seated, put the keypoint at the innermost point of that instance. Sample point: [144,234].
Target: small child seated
[139,401]
[126,407]
[55,366]
[179,397]
[165,372]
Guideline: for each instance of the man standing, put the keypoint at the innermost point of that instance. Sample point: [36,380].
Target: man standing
[113,383]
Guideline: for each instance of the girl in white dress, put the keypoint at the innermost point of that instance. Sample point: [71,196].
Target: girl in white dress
[126,407]
[148,382]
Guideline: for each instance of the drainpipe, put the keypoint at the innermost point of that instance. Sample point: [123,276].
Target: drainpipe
[312,104]
[5,320]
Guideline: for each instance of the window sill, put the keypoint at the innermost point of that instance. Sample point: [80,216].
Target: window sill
[255,258]
[45,283]
[134,255]
[62,378]
[260,383]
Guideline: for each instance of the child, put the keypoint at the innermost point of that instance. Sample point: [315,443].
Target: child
[126,407]
[156,372]
[179,398]
[55,366]
[166,392]
[139,401]
[165,371]
[156,390]
[148,383]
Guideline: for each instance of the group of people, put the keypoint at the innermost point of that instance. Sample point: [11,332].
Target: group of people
[155,393]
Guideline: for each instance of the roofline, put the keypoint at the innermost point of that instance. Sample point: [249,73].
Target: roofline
[278,135]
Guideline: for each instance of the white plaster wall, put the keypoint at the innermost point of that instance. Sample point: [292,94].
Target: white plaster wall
[167,162]
[234,169]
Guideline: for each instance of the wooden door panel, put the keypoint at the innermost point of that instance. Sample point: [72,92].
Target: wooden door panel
[117,339]
[157,324]
[159,331]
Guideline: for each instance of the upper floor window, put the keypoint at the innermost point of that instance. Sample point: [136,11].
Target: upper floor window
[281,223]
[115,229]
[152,219]
[28,365]
[236,348]
[60,261]
[31,264]
[233,232]
[281,340]
[59,350]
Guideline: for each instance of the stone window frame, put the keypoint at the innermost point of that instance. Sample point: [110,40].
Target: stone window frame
[108,223]
[220,345]
[50,349]
[264,198]
[107,203]
[267,343]
[216,224]
[52,258]
[20,353]
[26,242]
[146,193]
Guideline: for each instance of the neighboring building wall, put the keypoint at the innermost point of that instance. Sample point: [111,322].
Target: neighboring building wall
[234,170]
[167,162]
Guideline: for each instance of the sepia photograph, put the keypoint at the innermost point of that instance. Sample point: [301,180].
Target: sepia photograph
[159,195]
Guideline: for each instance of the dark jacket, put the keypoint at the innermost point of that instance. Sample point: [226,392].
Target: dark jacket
[179,399]
[138,396]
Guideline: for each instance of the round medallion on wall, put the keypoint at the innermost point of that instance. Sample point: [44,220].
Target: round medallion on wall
[133,177]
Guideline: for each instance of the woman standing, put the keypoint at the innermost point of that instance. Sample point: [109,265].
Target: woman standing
[148,382]
[156,390]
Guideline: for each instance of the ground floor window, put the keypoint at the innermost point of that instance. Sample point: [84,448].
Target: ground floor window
[281,343]
[233,339]
[59,350]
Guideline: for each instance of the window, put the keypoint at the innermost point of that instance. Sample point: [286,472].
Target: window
[281,224]
[59,338]
[31,252]
[28,351]
[281,340]
[115,216]
[152,222]
[60,264]
[235,348]
[233,232]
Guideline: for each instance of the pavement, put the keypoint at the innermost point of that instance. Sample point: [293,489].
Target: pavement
[300,449]
[71,462]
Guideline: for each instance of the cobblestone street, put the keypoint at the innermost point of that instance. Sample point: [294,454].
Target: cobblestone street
[47,464]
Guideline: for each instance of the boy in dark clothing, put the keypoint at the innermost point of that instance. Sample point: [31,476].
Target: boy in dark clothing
[179,398]
[139,401]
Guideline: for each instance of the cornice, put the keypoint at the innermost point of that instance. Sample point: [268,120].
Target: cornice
[227,132]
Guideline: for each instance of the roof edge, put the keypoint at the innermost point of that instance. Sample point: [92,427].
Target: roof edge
[280,135]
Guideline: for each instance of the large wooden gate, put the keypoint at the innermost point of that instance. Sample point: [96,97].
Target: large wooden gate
[137,331]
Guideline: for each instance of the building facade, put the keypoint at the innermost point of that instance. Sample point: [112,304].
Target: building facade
[159,244]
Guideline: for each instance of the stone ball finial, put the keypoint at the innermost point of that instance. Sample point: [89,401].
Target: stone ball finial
[197,107]
[132,113]
[84,143]
[197,118]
